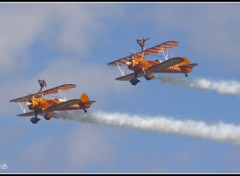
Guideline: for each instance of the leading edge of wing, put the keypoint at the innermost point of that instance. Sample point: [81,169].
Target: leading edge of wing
[45,92]
[165,64]
[58,89]
[26,98]
[155,49]
[121,61]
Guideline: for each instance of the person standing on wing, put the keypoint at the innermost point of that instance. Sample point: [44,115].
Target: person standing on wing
[141,42]
[42,84]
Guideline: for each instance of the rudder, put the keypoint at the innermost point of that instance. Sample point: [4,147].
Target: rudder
[185,62]
[84,97]
[187,66]
[85,100]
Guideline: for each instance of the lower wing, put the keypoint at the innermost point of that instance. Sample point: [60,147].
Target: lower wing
[129,77]
[62,105]
[66,104]
[165,64]
[31,113]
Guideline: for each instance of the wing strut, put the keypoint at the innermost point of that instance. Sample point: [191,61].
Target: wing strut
[164,53]
[142,55]
[21,107]
[122,71]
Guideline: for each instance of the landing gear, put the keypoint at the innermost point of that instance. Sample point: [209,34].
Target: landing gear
[85,110]
[186,75]
[34,120]
[47,118]
[147,78]
[134,81]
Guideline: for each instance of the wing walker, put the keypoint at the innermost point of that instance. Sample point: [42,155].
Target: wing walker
[40,105]
[143,67]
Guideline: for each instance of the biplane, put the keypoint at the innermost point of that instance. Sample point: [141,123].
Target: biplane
[143,67]
[40,105]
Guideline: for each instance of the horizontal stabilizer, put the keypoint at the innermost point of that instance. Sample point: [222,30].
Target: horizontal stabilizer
[188,65]
[89,102]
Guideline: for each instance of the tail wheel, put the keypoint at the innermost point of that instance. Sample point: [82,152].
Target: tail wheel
[147,78]
[47,118]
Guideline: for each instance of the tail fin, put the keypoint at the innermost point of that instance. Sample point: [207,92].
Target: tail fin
[185,62]
[186,65]
[84,97]
[85,100]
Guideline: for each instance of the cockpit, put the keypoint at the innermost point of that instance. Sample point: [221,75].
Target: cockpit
[60,99]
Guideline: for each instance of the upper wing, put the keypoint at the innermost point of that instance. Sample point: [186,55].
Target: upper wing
[156,49]
[45,92]
[58,89]
[165,64]
[129,77]
[26,98]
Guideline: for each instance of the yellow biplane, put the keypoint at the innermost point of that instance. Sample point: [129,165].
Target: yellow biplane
[146,67]
[46,106]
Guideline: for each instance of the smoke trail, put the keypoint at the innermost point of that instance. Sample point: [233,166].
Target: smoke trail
[222,87]
[219,131]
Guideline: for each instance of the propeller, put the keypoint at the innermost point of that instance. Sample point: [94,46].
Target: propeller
[132,63]
[129,64]
[36,113]
[29,104]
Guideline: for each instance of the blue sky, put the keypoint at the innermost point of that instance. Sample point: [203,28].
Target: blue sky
[73,42]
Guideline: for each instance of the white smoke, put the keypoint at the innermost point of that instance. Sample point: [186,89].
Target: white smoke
[218,132]
[222,86]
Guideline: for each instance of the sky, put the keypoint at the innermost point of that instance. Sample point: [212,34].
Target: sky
[71,43]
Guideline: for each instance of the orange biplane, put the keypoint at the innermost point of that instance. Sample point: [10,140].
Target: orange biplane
[146,67]
[45,107]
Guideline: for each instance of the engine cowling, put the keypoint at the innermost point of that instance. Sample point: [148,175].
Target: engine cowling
[48,116]
[31,104]
[149,76]
[132,63]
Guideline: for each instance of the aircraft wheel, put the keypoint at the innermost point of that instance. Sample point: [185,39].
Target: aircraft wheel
[134,81]
[147,78]
[186,75]
[47,118]
[34,120]
[85,110]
